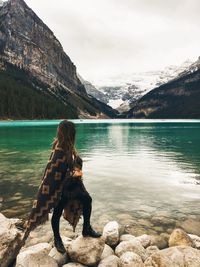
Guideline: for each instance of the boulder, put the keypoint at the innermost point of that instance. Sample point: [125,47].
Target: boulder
[111,233]
[174,256]
[145,240]
[60,258]
[130,259]
[111,261]
[179,237]
[34,255]
[66,242]
[159,241]
[36,260]
[107,251]
[126,237]
[73,264]
[151,250]
[86,250]
[10,240]
[43,248]
[131,246]
[196,240]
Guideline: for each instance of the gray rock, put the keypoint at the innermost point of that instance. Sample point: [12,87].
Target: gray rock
[196,240]
[131,246]
[66,242]
[36,260]
[33,256]
[179,237]
[151,250]
[159,241]
[126,237]
[86,250]
[111,261]
[39,238]
[10,241]
[60,258]
[73,264]
[43,248]
[145,240]
[179,256]
[107,251]
[111,233]
[130,259]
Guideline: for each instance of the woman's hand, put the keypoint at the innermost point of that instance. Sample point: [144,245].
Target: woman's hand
[77,173]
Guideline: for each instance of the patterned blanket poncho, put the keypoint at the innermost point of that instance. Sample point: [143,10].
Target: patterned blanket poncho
[55,175]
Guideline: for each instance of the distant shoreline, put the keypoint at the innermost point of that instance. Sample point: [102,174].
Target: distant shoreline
[106,119]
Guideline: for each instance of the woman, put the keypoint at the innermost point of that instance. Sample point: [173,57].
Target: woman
[62,188]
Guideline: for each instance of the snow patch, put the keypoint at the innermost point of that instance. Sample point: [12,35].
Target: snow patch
[115,103]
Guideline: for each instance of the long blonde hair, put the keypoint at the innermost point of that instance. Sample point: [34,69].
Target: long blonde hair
[65,139]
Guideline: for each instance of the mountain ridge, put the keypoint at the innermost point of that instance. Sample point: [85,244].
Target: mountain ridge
[128,88]
[178,98]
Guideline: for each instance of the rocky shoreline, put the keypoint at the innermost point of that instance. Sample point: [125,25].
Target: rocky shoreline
[114,249]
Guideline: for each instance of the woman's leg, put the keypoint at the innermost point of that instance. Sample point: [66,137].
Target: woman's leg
[86,201]
[55,220]
[55,223]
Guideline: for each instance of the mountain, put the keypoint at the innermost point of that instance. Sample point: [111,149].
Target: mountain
[41,80]
[171,72]
[93,91]
[123,90]
[178,98]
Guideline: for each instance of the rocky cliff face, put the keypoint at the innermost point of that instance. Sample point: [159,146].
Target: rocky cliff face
[178,98]
[29,45]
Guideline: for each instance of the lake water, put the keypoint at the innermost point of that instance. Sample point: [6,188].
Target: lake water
[144,174]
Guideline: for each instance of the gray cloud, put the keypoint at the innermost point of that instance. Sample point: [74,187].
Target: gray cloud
[106,37]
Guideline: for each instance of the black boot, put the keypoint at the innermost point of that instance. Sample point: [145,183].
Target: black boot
[59,245]
[88,231]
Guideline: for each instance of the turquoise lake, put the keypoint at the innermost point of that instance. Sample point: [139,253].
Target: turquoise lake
[144,174]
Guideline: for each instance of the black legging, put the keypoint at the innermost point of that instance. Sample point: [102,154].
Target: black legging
[86,201]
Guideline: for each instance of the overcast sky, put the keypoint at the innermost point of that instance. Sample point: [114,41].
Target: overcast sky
[109,37]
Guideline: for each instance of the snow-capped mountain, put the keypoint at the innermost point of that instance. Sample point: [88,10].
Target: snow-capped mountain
[173,71]
[122,90]
[178,98]
[190,69]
